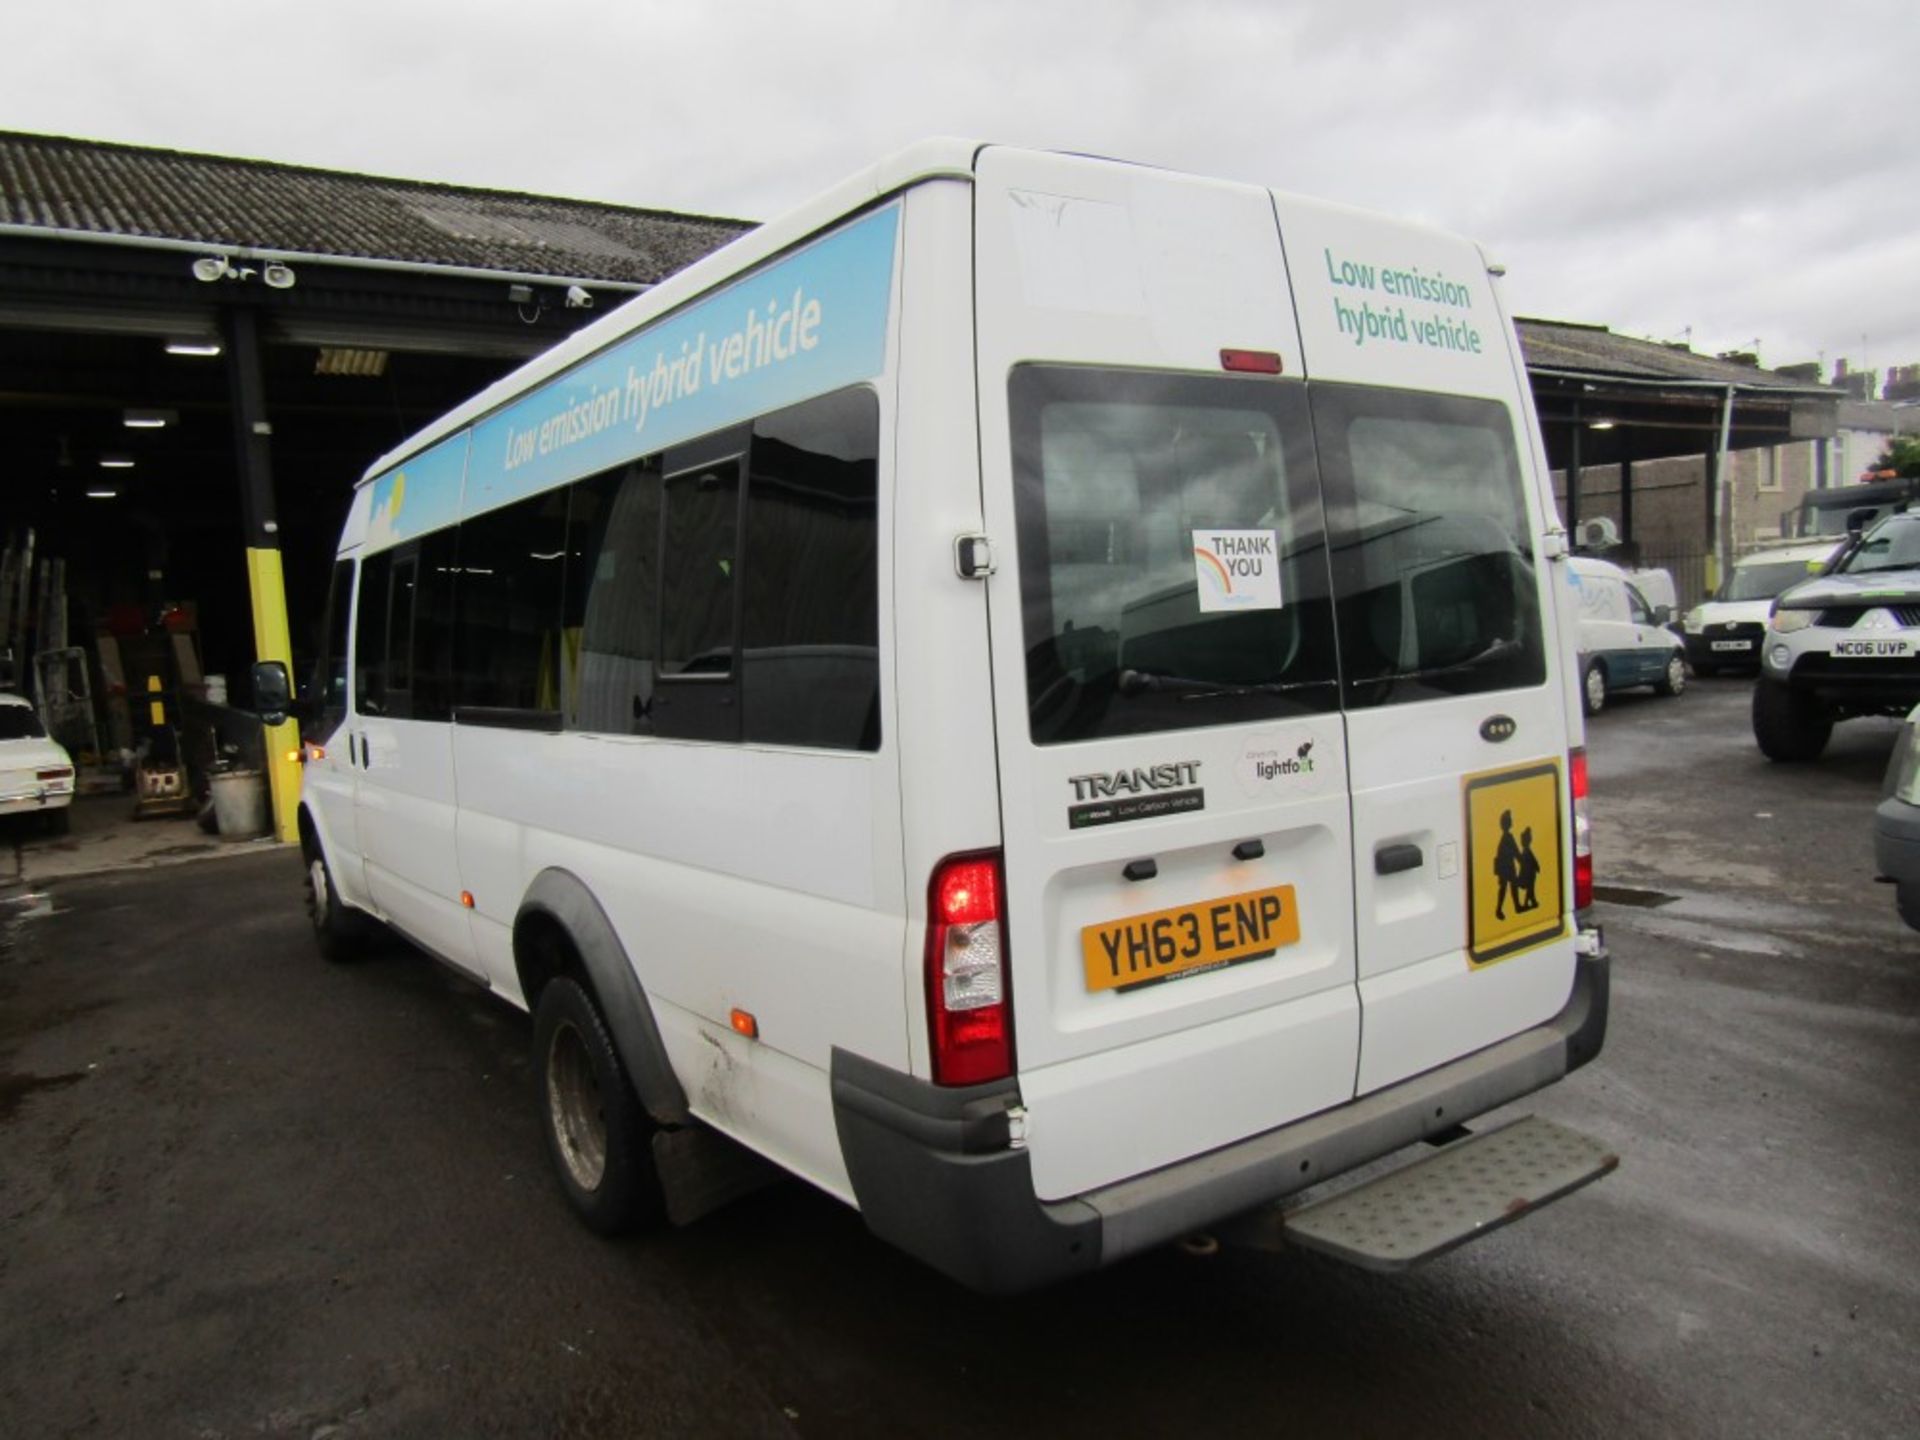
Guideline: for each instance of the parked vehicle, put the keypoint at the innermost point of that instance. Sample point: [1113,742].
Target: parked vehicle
[1896,823]
[1843,644]
[1725,633]
[985,696]
[36,773]
[1624,641]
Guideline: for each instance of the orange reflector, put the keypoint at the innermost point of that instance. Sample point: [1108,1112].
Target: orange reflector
[745,1024]
[294,757]
[1253,362]
[466,898]
[316,752]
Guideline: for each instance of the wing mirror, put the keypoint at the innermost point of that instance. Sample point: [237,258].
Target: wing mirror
[272,692]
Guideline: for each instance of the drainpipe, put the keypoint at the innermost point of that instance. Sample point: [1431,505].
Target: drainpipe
[1723,484]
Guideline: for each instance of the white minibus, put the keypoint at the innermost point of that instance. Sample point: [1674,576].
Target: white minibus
[1032,693]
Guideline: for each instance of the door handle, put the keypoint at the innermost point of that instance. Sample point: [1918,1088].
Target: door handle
[1392,859]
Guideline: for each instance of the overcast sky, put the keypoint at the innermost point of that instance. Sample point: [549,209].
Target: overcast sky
[1746,170]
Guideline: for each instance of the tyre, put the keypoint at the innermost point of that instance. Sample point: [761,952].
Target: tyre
[1789,725]
[599,1137]
[340,933]
[1674,679]
[1593,688]
[1907,902]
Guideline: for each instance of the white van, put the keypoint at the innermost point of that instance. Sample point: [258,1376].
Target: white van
[1028,693]
[1624,639]
[1725,631]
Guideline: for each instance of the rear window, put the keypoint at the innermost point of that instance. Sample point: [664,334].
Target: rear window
[1434,577]
[1173,564]
[18,722]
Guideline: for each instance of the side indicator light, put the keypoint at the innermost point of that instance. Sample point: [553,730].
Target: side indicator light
[1251,362]
[744,1024]
[466,898]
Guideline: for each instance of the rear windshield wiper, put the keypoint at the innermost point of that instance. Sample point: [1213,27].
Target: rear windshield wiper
[1152,682]
[1498,650]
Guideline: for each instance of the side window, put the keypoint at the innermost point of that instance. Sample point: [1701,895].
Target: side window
[330,669]
[1637,605]
[612,599]
[432,654]
[400,635]
[810,622]
[508,643]
[370,636]
[698,693]
[1435,585]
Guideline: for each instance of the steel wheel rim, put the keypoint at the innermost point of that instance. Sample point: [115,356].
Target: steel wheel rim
[574,1109]
[317,891]
[1676,676]
[1596,689]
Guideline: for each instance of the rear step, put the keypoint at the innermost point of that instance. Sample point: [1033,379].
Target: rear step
[1466,1190]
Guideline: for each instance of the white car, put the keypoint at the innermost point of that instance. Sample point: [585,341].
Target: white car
[1624,640]
[36,773]
[1724,633]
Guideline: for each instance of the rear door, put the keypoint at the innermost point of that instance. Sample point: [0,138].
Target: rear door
[1457,728]
[1172,761]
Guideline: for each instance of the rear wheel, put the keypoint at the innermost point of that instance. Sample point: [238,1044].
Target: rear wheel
[1674,679]
[599,1137]
[1593,688]
[1790,725]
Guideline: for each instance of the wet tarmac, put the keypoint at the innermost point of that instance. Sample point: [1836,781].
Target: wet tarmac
[244,1193]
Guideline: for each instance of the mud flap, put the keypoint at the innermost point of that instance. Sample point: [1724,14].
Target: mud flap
[700,1170]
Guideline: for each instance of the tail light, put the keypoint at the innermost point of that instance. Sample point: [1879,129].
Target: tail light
[969,1014]
[1582,831]
[62,772]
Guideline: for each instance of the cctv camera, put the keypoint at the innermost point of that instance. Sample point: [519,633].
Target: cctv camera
[578,299]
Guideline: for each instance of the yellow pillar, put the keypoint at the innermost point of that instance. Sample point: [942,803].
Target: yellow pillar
[270,642]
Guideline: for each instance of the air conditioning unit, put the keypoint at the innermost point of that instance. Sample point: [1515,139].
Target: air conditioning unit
[1599,534]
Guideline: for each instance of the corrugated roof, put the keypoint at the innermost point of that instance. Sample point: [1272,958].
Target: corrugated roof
[109,189]
[1594,349]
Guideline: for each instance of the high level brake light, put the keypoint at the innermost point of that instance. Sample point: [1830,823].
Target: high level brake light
[969,1018]
[1582,831]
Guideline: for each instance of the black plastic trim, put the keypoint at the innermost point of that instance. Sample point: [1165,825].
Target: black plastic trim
[503,717]
[923,1184]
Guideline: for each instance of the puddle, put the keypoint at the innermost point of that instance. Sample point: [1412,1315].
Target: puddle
[15,1088]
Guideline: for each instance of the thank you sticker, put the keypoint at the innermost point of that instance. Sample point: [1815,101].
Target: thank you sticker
[1237,569]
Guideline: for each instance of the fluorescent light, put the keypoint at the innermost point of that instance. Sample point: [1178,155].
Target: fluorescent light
[1601,425]
[116,462]
[149,419]
[103,494]
[193,347]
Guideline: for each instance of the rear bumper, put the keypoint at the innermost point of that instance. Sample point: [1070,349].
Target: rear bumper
[934,1174]
[22,801]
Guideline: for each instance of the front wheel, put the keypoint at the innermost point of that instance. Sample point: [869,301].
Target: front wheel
[1789,725]
[1674,679]
[340,934]
[1593,688]
[599,1137]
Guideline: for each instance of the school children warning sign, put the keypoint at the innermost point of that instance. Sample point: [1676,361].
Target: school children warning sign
[1237,569]
[1514,870]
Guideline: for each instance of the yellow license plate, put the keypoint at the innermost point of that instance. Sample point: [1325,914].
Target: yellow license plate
[1166,943]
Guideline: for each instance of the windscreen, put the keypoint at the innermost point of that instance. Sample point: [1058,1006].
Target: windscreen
[1172,552]
[1763,582]
[1893,544]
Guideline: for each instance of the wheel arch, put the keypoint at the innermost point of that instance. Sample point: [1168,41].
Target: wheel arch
[559,929]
